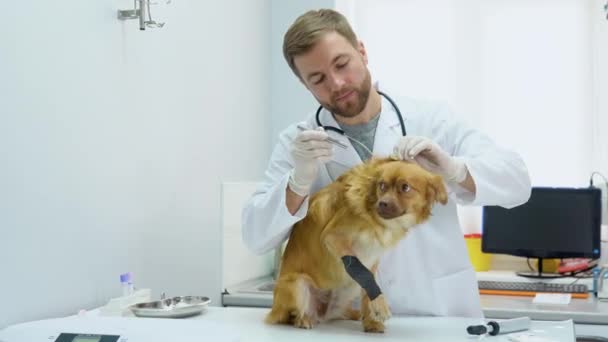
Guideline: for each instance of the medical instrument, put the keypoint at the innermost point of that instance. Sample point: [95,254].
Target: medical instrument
[176,307]
[500,327]
[338,130]
[330,139]
[141,10]
[339,143]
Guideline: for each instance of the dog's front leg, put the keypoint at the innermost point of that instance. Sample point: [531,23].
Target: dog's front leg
[374,312]
[374,305]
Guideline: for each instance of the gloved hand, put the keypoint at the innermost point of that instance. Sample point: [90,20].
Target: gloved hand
[431,157]
[309,149]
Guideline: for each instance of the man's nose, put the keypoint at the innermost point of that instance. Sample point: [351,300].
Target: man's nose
[336,82]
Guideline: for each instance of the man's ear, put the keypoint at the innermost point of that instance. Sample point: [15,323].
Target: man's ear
[436,191]
[362,51]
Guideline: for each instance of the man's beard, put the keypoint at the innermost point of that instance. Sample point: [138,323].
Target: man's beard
[351,109]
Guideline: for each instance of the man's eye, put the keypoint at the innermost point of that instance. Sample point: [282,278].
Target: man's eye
[342,62]
[405,188]
[318,80]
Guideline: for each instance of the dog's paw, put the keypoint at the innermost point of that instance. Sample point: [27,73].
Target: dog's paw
[372,326]
[379,310]
[303,322]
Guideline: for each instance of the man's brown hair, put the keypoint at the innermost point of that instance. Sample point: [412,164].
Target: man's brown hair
[308,28]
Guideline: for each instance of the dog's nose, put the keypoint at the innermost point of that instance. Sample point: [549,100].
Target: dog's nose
[387,209]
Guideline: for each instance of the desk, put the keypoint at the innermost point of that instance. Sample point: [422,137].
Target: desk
[246,324]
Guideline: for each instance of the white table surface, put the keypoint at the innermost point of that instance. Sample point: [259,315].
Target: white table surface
[583,311]
[246,324]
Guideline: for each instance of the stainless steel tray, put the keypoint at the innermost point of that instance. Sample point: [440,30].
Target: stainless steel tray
[176,307]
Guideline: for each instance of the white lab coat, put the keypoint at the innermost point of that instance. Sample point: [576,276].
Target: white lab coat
[429,272]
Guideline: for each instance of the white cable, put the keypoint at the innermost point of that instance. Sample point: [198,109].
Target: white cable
[599,174]
[361,144]
[605,182]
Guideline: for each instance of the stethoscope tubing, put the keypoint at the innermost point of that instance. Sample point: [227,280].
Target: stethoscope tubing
[341,132]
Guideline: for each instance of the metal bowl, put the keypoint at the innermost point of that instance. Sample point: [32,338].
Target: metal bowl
[176,307]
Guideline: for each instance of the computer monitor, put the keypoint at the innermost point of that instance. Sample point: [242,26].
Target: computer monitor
[553,223]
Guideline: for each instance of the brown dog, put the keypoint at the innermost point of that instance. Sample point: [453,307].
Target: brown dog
[363,213]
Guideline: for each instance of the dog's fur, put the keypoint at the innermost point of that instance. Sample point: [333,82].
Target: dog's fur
[363,213]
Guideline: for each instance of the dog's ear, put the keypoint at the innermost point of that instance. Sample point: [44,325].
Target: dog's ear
[436,190]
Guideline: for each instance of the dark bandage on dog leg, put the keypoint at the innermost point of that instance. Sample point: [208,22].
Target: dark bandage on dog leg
[363,276]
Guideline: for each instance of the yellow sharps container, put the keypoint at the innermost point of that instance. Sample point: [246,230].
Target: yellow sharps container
[481,261]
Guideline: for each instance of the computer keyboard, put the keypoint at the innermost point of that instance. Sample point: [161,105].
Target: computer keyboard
[531,289]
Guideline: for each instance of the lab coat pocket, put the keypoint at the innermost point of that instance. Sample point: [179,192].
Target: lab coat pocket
[457,294]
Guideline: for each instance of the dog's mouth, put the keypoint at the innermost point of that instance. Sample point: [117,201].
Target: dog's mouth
[388,211]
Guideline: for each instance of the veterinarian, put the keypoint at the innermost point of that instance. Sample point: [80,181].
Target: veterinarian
[429,272]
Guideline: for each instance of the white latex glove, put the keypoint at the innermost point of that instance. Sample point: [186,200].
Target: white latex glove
[432,157]
[309,149]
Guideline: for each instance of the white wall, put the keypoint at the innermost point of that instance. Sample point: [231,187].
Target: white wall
[519,70]
[113,144]
[538,85]
[599,24]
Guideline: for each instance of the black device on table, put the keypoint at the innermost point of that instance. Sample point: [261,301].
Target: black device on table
[553,223]
[67,337]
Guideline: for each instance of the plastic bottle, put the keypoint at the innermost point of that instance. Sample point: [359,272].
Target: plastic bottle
[126,280]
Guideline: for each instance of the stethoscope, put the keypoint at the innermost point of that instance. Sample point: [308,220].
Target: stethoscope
[339,131]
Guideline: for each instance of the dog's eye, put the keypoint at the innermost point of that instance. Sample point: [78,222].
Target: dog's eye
[382,186]
[405,187]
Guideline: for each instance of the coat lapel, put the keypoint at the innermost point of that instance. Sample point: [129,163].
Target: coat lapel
[388,130]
